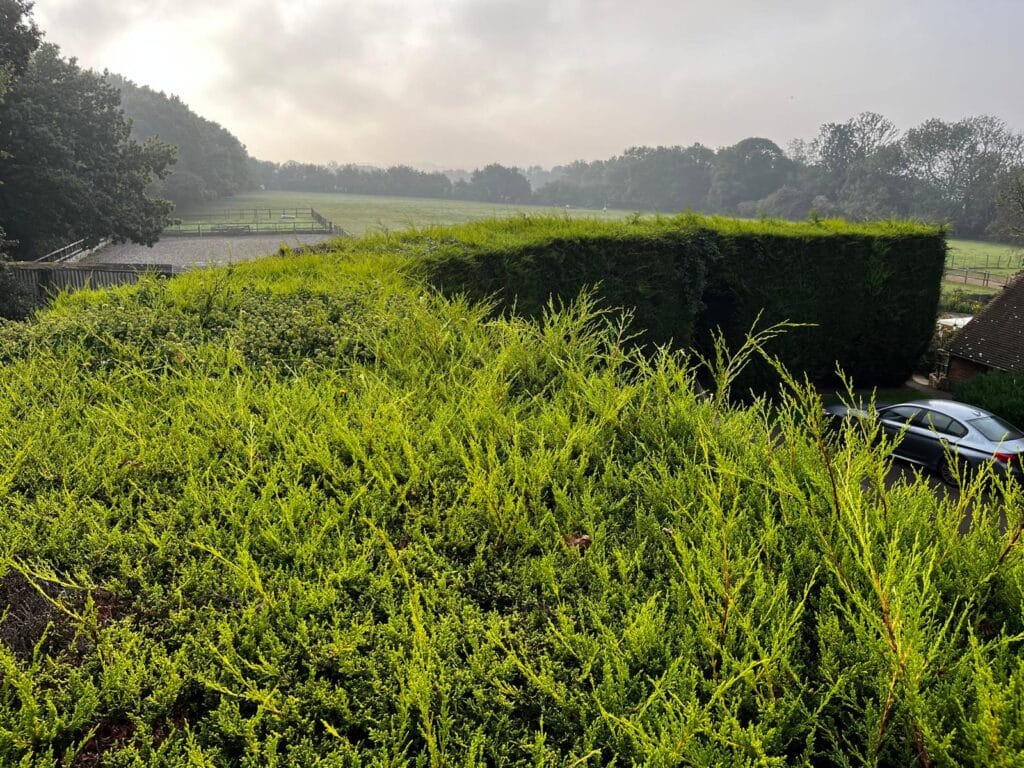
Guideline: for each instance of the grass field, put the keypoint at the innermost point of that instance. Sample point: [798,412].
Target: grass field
[948,286]
[359,214]
[997,258]
[362,214]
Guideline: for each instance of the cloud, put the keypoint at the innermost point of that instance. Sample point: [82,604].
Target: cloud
[465,82]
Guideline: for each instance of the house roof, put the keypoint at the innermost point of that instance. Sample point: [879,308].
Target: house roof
[995,337]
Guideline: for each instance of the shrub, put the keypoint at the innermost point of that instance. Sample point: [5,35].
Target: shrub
[867,293]
[15,303]
[307,513]
[1001,393]
[959,300]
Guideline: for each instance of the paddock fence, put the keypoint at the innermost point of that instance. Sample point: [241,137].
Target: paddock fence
[43,281]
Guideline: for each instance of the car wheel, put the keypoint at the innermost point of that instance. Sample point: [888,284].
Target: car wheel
[947,471]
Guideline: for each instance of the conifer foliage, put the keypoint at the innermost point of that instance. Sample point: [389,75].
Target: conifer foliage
[307,512]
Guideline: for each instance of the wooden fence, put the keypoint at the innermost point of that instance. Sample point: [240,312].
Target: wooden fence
[969,276]
[255,221]
[44,281]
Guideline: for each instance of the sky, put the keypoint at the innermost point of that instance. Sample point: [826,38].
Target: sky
[461,83]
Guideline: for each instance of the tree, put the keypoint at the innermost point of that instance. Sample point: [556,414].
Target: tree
[19,37]
[959,165]
[662,178]
[877,186]
[841,148]
[498,184]
[1009,221]
[70,169]
[211,162]
[747,171]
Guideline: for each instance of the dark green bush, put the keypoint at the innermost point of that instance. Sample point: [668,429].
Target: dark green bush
[868,292]
[1001,393]
[656,272]
[871,296]
[15,303]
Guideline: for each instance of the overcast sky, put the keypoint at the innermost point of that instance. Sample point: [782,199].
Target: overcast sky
[460,83]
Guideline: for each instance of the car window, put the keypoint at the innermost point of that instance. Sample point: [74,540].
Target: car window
[956,428]
[900,413]
[932,420]
[995,429]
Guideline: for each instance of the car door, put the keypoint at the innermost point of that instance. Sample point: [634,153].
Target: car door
[897,423]
[932,433]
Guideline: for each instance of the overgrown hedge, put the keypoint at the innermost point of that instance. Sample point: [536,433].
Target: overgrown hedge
[999,392]
[303,513]
[871,291]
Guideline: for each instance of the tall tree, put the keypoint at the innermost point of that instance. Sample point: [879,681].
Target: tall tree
[664,178]
[959,165]
[840,149]
[212,163]
[19,37]
[498,184]
[70,169]
[1009,220]
[747,171]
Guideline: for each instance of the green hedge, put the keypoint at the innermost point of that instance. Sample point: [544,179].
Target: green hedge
[1001,393]
[869,291]
[658,272]
[302,513]
[872,296]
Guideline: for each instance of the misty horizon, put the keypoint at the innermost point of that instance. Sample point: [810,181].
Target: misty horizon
[460,84]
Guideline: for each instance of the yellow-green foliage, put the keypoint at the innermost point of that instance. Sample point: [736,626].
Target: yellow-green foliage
[307,512]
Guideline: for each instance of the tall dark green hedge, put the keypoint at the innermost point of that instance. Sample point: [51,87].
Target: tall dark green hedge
[658,273]
[868,294]
[872,297]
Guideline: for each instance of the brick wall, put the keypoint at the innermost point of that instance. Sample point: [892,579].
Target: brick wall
[961,370]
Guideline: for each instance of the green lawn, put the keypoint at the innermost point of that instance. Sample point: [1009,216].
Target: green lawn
[998,258]
[948,286]
[361,214]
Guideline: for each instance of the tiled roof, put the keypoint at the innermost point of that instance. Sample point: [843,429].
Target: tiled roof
[995,337]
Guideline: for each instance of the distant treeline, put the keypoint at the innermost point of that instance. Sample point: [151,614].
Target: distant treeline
[495,183]
[957,173]
[211,162]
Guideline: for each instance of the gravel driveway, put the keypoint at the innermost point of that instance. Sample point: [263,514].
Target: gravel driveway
[199,251]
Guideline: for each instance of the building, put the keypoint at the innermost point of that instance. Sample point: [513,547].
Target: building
[993,340]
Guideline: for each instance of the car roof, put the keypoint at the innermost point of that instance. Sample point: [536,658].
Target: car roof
[952,408]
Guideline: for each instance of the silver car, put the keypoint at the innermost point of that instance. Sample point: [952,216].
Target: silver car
[935,433]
